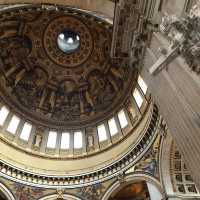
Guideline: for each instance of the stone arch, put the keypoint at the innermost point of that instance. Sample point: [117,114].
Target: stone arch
[6,192]
[106,7]
[176,177]
[132,178]
[55,196]
[165,164]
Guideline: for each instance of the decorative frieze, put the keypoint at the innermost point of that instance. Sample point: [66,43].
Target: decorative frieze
[100,175]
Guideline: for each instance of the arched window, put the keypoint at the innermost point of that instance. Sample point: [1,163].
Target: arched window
[3,115]
[26,131]
[12,127]
[142,84]
[122,119]
[51,143]
[112,126]
[138,97]
[78,140]
[65,141]
[102,133]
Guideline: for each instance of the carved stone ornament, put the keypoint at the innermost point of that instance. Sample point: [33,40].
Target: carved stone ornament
[51,87]
[195,11]
[60,193]
[90,141]
[185,33]
[121,177]
[38,140]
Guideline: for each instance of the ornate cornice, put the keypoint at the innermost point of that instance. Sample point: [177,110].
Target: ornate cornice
[134,154]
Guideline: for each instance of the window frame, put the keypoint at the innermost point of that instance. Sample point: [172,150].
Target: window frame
[66,145]
[5,115]
[23,135]
[11,127]
[52,140]
[77,143]
[121,121]
[112,125]
[102,136]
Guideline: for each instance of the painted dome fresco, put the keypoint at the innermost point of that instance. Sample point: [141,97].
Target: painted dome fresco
[65,100]
[56,67]
[98,99]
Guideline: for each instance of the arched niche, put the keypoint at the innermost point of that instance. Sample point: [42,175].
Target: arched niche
[152,183]
[5,193]
[56,197]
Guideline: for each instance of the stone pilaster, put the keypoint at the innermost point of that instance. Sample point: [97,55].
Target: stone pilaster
[177,95]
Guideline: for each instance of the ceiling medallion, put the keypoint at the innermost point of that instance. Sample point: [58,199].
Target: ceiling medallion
[72,52]
[56,67]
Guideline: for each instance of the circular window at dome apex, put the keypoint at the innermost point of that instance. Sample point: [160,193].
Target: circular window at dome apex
[68,41]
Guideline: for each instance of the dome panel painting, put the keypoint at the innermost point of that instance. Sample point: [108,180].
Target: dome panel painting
[56,67]
[73,99]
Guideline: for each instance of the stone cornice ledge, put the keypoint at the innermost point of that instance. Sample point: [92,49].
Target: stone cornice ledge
[129,159]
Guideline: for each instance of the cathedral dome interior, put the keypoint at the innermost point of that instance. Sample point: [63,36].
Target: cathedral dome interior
[94,99]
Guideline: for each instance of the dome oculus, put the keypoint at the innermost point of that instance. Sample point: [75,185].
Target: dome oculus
[68,41]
